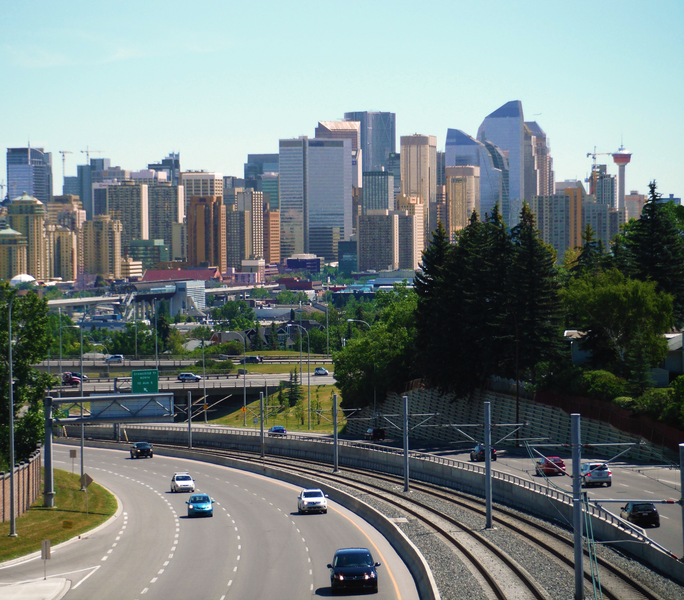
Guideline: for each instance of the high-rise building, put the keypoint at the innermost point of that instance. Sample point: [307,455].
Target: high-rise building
[13,252]
[634,204]
[169,165]
[166,206]
[269,186]
[604,186]
[207,231]
[378,190]
[129,203]
[553,216]
[62,244]
[149,252]
[419,173]
[315,195]
[271,235]
[409,242]
[378,236]
[378,137]
[542,164]
[27,215]
[505,128]
[256,166]
[101,246]
[413,205]
[29,170]
[341,130]
[66,211]
[441,168]
[394,167]
[462,197]
[199,183]
[245,228]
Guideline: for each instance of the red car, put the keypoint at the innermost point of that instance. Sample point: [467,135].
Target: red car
[70,379]
[553,465]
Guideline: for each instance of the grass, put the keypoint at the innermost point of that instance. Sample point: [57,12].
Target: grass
[67,520]
[290,417]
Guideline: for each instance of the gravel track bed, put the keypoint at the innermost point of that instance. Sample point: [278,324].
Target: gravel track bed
[454,580]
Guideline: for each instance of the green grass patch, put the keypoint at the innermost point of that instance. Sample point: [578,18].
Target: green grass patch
[67,520]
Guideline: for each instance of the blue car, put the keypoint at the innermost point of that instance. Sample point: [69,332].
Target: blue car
[200,505]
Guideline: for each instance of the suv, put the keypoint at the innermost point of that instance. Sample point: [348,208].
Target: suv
[596,473]
[140,449]
[189,377]
[641,513]
[182,482]
[478,453]
[115,358]
[312,500]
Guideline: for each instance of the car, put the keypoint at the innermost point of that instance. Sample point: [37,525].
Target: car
[141,449]
[200,505]
[478,453]
[312,500]
[182,482]
[114,358]
[70,379]
[277,431]
[251,360]
[374,433]
[596,473]
[321,371]
[641,513]
[552,465]
[189,377]
[353,568]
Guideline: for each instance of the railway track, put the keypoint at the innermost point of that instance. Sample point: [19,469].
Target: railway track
[449,514]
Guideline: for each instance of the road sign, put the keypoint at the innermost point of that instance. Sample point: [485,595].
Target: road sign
[243,409]
[86,480]
[73,453]
[145,381]
[45,549]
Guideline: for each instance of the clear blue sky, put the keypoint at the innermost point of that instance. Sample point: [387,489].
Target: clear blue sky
[218,80]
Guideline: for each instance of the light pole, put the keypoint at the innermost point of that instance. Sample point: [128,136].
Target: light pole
[308,368]
[374,389]
[204,380]
[59,310]
[244,380]
[156,335]
[13,519]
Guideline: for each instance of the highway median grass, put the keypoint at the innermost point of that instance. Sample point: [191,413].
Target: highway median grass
[67,520]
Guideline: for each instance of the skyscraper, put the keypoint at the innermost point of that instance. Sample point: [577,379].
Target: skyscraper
[378,190]
[349,130]
[207,232]
[462,197]
[13,247]
[245,228]
[128,203]
[26,214]
[29,170]
[419,174]
[169,165]
[378,137]
[101,247]
[166,205]
[378,240]
[256,166]
[542,164]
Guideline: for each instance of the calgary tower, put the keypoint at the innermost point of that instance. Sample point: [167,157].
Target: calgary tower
[622,158]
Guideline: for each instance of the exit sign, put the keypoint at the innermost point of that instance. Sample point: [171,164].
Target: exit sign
[145,382]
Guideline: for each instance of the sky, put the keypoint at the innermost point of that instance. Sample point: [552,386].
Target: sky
[217,80]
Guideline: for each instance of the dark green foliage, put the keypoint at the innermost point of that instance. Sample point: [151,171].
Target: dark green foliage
[273,343]
[257,343]
[294,392]
[602,385]
[234,316]
[592,255]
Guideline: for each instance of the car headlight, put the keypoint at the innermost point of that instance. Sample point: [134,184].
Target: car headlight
[190,506]
[339,576]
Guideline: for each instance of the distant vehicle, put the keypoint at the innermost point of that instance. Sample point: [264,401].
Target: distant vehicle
[553,465]
[251,360]
[596,473]
[200,505]
[313,500]
[70,379]
[76,374]
[374,433]
[189,377]
[478,453]
[115,358]
[353,568]
[641,513]
[182,482]
[321,371]
[277,431]
[141,449]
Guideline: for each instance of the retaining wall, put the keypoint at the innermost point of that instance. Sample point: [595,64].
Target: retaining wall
[26,487]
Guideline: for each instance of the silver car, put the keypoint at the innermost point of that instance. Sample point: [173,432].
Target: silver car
[182,482]
[313,500]
[596,473]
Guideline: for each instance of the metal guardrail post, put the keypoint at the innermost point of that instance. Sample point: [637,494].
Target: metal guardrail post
[577,505]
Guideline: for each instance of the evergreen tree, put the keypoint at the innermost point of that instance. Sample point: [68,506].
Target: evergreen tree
[591,254]
[258,343]
[295,392]
[273,337]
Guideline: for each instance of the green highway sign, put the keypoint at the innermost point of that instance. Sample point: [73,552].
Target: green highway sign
[145,382]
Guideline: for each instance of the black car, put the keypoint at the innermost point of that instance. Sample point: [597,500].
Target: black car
[141,449]
[353,568]
[375,434]
[641,513]
[277,431]
[478,453]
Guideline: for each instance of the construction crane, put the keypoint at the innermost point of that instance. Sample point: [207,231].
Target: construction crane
[88,151]
[64,153]
[594,169]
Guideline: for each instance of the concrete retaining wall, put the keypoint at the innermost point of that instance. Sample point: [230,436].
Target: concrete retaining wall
[26,487]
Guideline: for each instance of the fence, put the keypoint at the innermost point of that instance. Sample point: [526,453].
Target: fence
[26,487]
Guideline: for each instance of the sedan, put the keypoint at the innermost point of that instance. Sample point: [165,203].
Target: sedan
[277,431]
[553,465]
[596,473]
[200,505]
[321,371]
[140,449]
[353,568]
[478,453]
[641,513]
[313,500]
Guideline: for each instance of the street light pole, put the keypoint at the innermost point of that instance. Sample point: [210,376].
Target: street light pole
[60,351]
[308,369]
[156,335]
[83,487]
[13,518]
[244,380]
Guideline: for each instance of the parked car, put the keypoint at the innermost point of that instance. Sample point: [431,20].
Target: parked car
[321,371]
[553,465]
[353,568]
[114,358]
[184,377]
[277,431]
[313,500]
[641,513]
[182,482]
[478,453]
[141,449]
[251,360]
[374,434]
[200,505]
[596,473]
[70,379]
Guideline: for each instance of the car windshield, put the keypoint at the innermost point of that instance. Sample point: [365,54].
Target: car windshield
[644,507]
[359,559]
[183,478]
[142,445]
[199,499]
[313,494]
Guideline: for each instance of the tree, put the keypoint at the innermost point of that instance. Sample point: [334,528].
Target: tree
[234,316]
[273,342]
[258,343]
[294,393]
[591,257]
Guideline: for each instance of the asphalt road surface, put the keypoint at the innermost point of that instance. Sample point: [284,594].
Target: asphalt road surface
[256,546]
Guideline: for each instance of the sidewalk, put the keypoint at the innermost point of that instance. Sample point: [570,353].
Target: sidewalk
[41,589]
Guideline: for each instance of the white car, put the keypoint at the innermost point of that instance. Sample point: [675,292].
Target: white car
[313,500]
[320,371]
[115,358]
[189,377]
[596,473]
[182,482]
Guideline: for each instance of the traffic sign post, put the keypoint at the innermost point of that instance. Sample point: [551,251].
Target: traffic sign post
[145,381]
[45,555]
[86,480]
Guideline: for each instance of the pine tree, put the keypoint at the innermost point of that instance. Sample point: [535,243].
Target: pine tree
[273,337]
[591,256]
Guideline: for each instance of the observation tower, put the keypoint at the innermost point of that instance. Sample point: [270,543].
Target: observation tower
[621,158]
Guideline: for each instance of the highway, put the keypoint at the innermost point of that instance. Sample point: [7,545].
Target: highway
[256,546]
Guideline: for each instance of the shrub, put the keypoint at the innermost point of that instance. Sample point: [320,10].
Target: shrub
[602,385]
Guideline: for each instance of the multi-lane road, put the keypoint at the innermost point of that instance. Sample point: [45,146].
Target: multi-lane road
[255,546]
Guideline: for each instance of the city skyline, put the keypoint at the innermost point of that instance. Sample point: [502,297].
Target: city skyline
[120,79]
